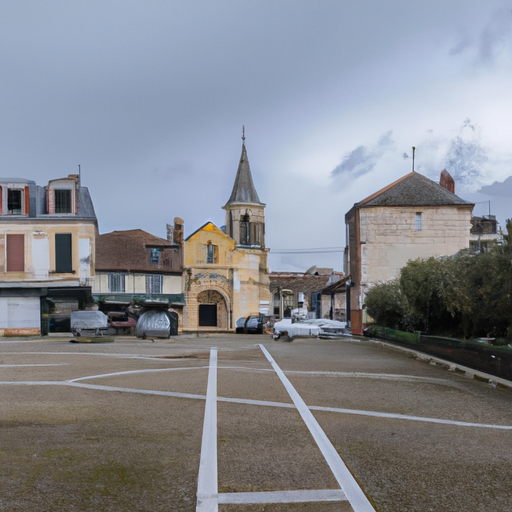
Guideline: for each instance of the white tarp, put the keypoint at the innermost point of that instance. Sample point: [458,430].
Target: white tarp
[154,322]
[88,320]
[312,327]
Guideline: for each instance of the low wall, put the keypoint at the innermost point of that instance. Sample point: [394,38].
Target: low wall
[495,360]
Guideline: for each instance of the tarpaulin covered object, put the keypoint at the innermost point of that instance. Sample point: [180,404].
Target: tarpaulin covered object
[321,327]
[157,322]
[94,321]
[89,320]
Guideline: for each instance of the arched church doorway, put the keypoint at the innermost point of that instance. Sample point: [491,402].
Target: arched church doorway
[212,309]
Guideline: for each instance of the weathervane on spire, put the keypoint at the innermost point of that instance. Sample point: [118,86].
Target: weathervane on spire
[243,134]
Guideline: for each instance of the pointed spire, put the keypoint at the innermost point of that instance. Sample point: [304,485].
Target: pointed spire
[243,189]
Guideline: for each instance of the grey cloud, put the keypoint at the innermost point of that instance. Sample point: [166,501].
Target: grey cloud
[495,35]
[498,189]
[363,159]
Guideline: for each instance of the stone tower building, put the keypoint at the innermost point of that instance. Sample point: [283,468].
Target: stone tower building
[245,213]
[226,270]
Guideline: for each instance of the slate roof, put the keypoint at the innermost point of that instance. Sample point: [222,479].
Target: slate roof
[128,251]
[413,189]
[243,189]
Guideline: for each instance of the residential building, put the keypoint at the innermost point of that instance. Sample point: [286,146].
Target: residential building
[414,217]
[47,240]
[226,269]
[484,232]
[134,267]
[291,290]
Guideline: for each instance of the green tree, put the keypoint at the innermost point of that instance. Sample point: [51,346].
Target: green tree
[386,304]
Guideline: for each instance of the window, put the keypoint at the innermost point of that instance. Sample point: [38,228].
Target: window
[154,256]
[15,253]
[245,232]
[277,303]
[418,221]
[62,201]
[154,283]
[116,283]
[211,253]
[14,201]
[63,260]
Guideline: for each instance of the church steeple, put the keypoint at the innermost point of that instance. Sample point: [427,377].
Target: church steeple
[244,190]
[245,213]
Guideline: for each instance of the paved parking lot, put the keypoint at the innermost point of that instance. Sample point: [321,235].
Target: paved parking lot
[245,423]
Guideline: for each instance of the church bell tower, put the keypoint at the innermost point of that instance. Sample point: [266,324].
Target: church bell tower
[245,213]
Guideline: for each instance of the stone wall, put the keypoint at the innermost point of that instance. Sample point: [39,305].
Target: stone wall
[389,237]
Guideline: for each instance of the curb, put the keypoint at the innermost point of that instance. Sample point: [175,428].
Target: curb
[450,366]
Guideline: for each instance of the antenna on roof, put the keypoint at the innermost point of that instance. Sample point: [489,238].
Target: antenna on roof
[243,134]
[413,151]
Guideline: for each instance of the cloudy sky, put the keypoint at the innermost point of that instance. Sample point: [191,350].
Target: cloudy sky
[149,98]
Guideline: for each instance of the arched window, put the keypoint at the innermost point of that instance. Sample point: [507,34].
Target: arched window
[211,253]
[245,230]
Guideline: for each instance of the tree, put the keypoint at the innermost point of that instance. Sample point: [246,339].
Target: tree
[386,304]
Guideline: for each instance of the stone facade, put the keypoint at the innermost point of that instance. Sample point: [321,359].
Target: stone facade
[389,237]
[412,218]
[233,279]
[226,271]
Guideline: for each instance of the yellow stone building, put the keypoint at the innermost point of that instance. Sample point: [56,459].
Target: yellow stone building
[226,274]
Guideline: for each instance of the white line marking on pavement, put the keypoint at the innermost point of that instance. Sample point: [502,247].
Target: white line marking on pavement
[207,481]
[34,364]
[263,403]
[352,491]
[128,372]
[318,495]
[409,418]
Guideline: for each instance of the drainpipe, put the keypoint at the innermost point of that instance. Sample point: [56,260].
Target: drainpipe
[347,303]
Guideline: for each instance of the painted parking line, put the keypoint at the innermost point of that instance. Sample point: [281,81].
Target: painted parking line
[247,401]
[131,372]
[348,484]
[317,495]
[207,481]
[32,364]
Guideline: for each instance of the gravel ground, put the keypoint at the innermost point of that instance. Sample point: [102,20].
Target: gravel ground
[70,448]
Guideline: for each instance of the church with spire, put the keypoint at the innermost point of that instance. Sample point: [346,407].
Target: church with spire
[226,275]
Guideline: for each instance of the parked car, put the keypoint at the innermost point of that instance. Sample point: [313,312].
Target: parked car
[121,322]
[89,323]
[254,324]
[240,325]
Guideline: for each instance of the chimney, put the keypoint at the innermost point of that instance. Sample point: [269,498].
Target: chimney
[447,182]
[178,230]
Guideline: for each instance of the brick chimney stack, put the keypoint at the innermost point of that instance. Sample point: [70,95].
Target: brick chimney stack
[447,182]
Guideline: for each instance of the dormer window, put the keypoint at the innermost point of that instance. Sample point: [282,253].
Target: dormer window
[61,195]
[154,256]
[62,201]
[14,201]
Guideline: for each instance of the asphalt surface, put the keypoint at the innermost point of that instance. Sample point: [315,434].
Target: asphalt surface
[248,424]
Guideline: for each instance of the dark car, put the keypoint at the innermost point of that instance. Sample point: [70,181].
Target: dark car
[254,325]
[240,325]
